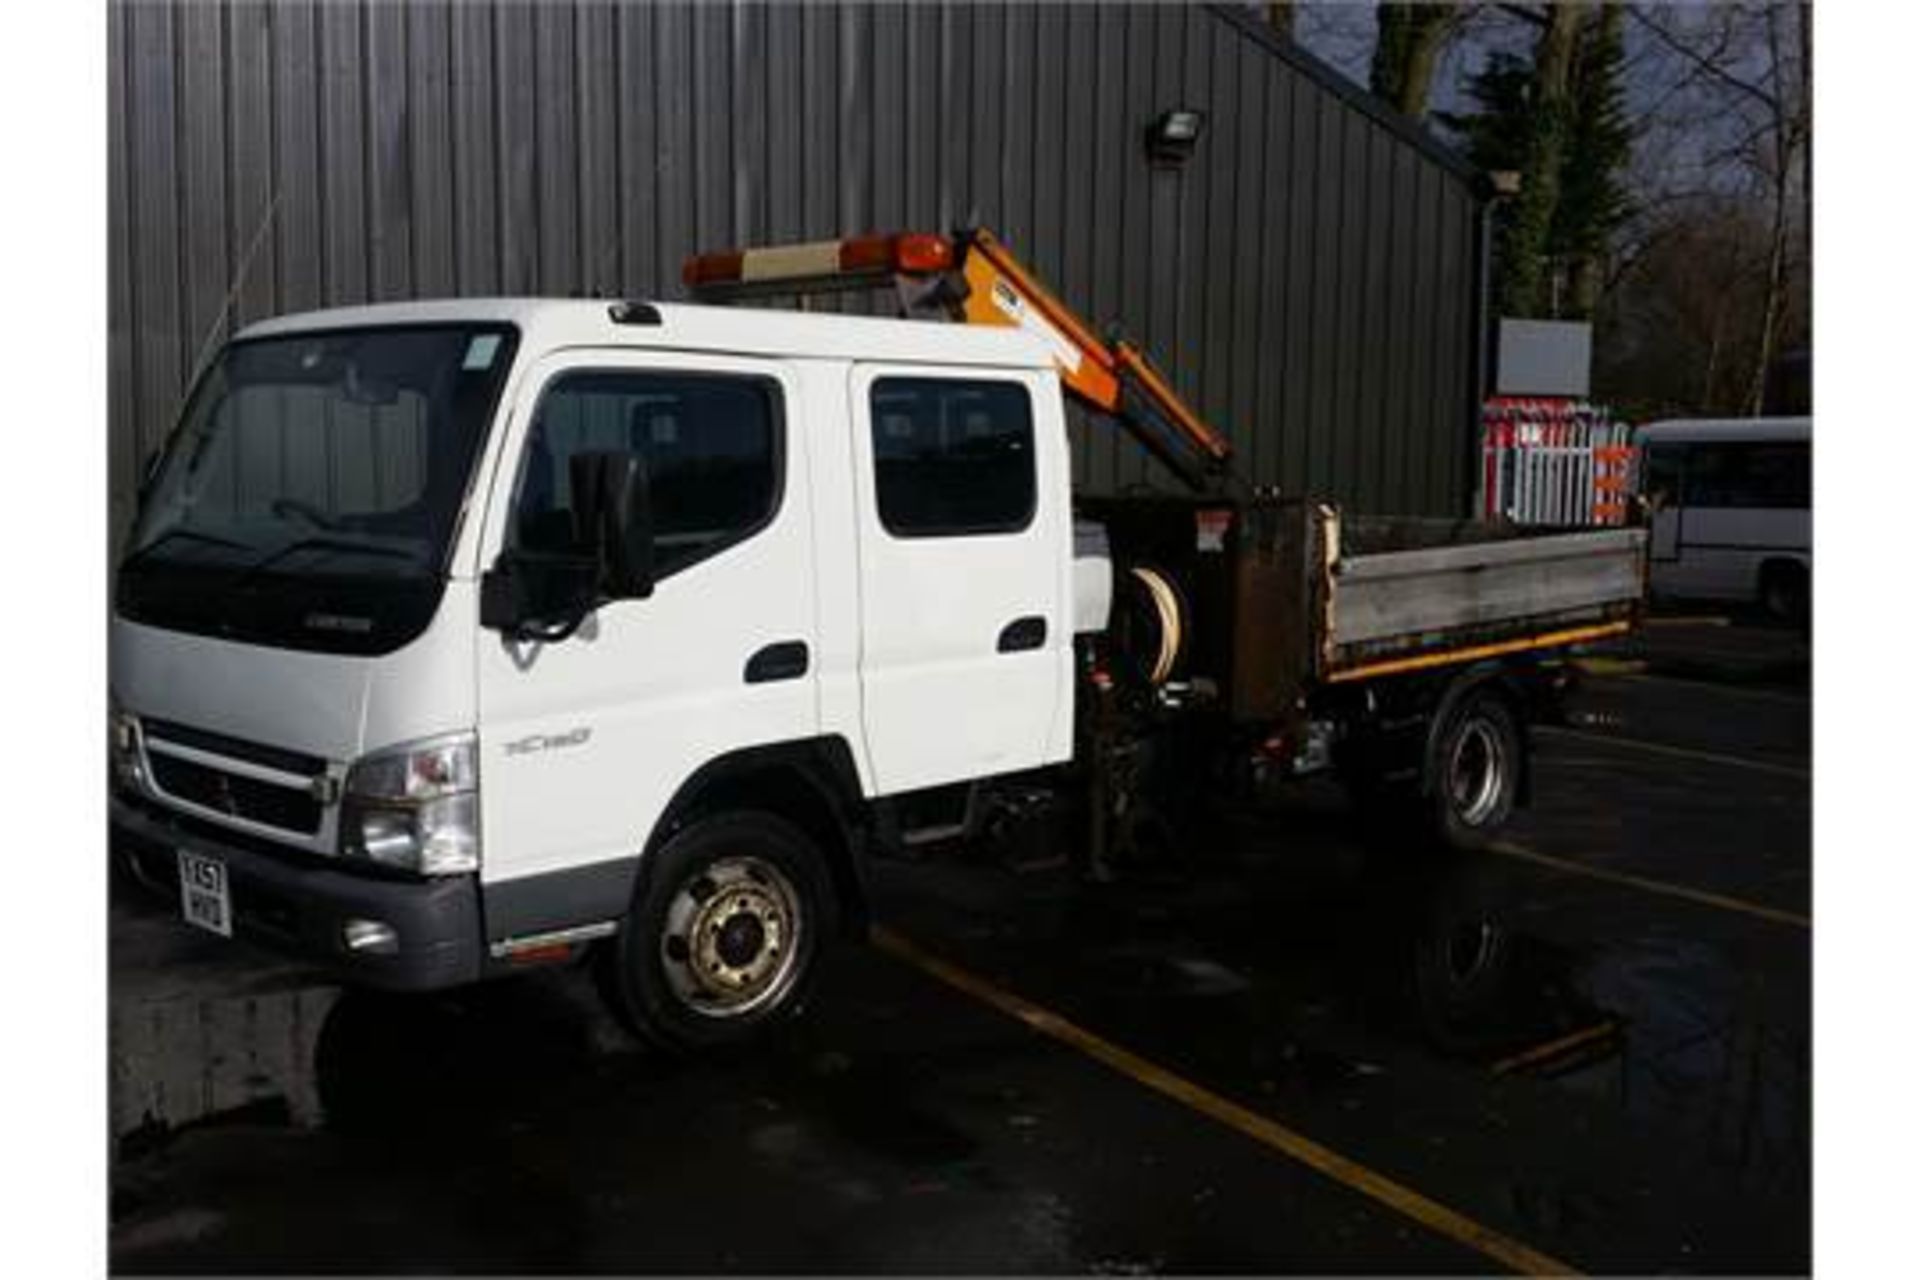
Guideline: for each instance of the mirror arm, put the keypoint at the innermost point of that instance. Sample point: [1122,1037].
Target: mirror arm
[549,633]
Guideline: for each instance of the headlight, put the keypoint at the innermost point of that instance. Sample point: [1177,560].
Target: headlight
[123,749]
[416,807]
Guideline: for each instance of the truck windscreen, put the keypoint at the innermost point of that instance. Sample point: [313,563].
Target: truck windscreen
[307,497]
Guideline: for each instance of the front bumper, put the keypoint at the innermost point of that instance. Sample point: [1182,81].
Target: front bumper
[289,904]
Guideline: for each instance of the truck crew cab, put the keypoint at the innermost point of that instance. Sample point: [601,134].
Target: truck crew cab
[457,636]
[441,620]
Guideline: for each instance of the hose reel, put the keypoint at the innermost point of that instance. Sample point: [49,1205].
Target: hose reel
[1153,623]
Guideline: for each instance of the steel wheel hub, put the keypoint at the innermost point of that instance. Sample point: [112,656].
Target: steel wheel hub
[1476,774]
[732,937]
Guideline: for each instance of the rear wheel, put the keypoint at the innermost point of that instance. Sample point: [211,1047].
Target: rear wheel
[723,935]
[1473,775]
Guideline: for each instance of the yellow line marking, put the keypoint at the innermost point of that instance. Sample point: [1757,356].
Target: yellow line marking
[1396,1196]
[1555,1048]
[1682,753]
[1712,620]
[1394,666]
[1508,849]
[1611,667]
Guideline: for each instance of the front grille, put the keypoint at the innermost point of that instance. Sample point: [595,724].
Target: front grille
[220,744]
[237,796]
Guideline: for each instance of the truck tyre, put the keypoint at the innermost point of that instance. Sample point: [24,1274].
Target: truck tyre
[1473,774]
[727,922]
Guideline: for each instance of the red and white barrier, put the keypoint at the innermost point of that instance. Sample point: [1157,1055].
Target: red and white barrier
[1552,461]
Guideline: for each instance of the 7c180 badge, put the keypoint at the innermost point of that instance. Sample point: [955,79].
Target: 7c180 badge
[548,741]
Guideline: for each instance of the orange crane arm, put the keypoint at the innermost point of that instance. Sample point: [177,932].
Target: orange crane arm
[973,278]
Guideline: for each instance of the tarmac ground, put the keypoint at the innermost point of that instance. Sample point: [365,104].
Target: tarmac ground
[1293,1049]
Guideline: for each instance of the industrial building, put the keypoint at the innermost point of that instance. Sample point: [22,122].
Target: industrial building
[1306,269]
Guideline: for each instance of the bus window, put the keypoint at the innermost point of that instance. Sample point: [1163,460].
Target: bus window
[1782,474]
[1752,475]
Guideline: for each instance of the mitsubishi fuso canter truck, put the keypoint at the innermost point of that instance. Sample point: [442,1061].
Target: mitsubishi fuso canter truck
[456,637]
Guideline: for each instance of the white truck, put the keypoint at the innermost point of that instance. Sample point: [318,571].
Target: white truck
[455,637]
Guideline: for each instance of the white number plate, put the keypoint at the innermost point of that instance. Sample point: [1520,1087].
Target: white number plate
[204,897]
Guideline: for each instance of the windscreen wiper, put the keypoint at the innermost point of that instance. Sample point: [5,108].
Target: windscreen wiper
[209,539]
[315,543]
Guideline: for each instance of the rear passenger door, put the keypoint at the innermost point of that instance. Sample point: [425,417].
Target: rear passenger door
[966,659]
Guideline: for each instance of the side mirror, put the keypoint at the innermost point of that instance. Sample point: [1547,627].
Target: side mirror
[546,595]
[613,516]
[528,596]
[503,597]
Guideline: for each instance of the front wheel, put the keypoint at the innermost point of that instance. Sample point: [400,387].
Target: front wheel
[1473,774]
[723,935]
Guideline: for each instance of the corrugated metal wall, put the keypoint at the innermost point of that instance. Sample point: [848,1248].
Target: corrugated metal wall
[1308,278]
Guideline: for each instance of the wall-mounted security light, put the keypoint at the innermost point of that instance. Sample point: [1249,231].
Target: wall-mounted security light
[1505,182]
[1173,134]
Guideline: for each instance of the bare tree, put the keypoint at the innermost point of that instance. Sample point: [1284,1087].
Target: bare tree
[1408,46]
[1742,93]
[1788,156]
[1705,283]
[1678,325]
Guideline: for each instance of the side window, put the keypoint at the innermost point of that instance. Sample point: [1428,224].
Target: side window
[952,457]
[712,445]
[1760,475]
[1710,475]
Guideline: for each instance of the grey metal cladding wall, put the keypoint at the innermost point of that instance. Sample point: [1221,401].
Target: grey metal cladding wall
[1307,278]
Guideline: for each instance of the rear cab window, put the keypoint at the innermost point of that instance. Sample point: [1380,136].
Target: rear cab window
[952,457]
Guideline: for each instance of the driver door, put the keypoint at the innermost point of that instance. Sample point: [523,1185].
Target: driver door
[583,741]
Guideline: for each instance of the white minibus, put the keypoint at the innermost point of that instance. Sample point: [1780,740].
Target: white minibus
[1731,505]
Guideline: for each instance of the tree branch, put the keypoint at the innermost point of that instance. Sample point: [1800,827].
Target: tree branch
[1703,63]
[1525,14]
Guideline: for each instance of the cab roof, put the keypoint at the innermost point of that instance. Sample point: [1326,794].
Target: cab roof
[547,324]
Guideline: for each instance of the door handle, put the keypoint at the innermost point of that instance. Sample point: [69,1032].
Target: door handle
[782,660]
[1023,633]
